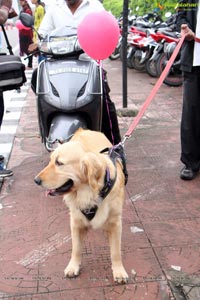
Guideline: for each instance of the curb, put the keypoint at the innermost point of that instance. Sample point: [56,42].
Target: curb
[127,112]
[11,119]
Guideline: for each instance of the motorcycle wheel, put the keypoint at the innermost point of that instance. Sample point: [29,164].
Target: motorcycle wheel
[150,67]
[116,54]
[135,61]
[131,50]
[129,64]
[174,77]
[121,54]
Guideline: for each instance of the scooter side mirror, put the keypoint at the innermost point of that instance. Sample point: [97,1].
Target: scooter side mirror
[26,19]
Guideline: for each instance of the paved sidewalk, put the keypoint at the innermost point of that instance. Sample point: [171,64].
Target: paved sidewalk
[161,224]
[13,104]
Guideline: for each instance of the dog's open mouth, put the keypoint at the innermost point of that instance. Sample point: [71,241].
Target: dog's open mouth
[62,189]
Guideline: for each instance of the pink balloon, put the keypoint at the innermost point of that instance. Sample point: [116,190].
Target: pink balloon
[20,26]
[98,34]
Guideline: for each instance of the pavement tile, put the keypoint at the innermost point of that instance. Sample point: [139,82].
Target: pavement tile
[176,232]
[184,258]
[147,291]
[161,226]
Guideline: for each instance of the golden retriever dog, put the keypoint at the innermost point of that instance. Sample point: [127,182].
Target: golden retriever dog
[92,185]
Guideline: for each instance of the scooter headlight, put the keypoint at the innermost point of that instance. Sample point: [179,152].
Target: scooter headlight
[63,45]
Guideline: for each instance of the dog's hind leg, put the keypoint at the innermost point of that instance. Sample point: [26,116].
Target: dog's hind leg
[78,234]
[114,236]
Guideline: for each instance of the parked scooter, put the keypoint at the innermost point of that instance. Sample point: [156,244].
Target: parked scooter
[139,50]
[140,43]
[166,44]
[69,87]
[117,53]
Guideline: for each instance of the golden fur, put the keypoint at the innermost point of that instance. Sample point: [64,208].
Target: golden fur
[79,160]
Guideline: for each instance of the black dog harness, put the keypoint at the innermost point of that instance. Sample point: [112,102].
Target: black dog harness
[108,184]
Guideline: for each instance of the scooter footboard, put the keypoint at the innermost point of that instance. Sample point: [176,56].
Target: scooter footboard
[62,129]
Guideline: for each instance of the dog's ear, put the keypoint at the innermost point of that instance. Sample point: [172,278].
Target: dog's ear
[92,169]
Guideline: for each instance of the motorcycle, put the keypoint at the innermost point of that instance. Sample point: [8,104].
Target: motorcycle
[117,53]
[139,52]
[166,44]
[68,87]
[140,43]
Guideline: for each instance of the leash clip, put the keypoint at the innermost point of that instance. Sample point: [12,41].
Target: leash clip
[125,137]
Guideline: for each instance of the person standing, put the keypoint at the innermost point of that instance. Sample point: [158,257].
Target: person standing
[5,6]
[38,16]
[26,35]
[188,22]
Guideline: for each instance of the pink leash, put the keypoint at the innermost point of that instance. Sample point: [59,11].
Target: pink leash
[154,91]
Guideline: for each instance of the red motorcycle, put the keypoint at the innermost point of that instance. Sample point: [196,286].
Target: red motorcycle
[136,48]
[142,46]
[167,42]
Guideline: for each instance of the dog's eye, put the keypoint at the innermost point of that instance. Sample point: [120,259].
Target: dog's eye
[58,163]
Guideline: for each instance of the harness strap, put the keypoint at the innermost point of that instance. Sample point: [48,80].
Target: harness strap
[90,213]
[108,185]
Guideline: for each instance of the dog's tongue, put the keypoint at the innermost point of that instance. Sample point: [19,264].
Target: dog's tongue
[61,190]
[49,192]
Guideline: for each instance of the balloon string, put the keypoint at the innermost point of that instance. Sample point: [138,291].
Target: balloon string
[106,100]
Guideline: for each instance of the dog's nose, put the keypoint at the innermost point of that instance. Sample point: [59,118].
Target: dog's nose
[38,180]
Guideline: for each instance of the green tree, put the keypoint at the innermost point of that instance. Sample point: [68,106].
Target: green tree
[141,7]
[115,6]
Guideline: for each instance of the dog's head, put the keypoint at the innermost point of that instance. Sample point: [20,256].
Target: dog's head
[70,167]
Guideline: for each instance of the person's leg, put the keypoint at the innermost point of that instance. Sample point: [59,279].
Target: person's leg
[3,172]
[190,124]
[110,126]
[30,62]
[1,119]
[41,58]
[1,108]
[34,80]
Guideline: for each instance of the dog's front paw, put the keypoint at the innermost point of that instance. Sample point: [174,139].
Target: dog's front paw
[72,270]
[120,275]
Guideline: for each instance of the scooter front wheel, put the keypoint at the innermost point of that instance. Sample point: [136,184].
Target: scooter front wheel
[116,54]
[62,129]
[130,51]
[151,68]
[174,77]
[135,61]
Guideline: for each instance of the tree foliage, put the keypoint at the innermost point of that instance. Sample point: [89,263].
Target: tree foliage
[141,7]
[115,6]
